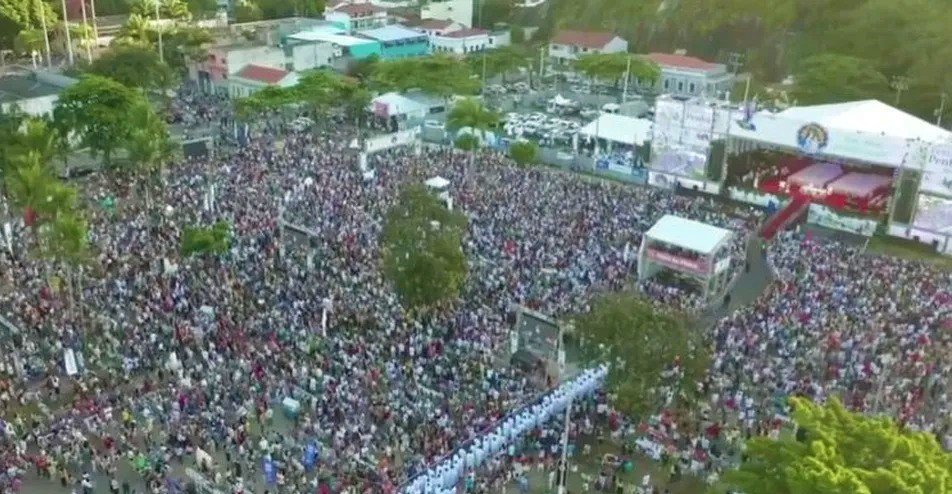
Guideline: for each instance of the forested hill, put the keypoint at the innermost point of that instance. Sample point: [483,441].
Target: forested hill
[839,49]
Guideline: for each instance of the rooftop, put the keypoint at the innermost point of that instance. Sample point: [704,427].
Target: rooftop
[465,33]
[393,32]
[435,24]
[359,9]
[682,61]
[337,39]
[688,234]
[21,86]
[260,73]
[587,39]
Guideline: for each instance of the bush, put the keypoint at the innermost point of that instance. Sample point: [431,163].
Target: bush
[467,142]
[523,152]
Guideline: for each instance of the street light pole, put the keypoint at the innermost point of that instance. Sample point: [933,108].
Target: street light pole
[940,110]
[624,92]
[69,40]
[86,40]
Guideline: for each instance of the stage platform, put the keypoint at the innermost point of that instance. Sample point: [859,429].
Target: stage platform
[838,186]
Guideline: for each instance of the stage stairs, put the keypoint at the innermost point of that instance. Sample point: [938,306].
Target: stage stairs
[785,217]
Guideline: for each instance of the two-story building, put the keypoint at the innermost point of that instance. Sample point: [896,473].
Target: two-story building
[689,76]
[397,41]
[357,16]
[213,72]
[567,46]
[252,78]
[461,41]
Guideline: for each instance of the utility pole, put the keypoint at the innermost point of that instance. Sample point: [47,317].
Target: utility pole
[940,110]
[86,40]
[541,64]
[46,36]
[899,83]
[159,29]
[69,39]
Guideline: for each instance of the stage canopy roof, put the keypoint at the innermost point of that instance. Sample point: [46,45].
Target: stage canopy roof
[867,131]
[871,116]
[688,234]
[619,128]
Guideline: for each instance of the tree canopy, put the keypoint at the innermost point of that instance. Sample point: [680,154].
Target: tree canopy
[500,61]
[439,75]
[839,452]
[831,78]
[96,109]
[523,152]
[135,66]
[649,349]
[611,67]
[23,15]
[212,240]
[423,251]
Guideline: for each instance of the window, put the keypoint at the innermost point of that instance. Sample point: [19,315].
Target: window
[667,83]
[691,88]
[680,86]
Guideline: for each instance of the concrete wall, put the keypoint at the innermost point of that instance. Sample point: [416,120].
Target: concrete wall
[35,107]
[311,56]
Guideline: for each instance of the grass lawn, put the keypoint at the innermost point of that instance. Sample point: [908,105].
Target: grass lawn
[908,249]
[591,465]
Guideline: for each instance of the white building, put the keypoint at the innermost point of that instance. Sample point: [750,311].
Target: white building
[33,92]
[461,41]
[311,55]
[253,78]
[690,76]
[438,27]
[357,16]
[566,46]
[459,11]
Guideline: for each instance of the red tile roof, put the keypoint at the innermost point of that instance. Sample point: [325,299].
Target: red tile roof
[268,75]
[359,9]
[435,24]
[584,39]
[464,33]
[680,61]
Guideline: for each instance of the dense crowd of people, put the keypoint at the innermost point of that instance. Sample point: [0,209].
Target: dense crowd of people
[176,354]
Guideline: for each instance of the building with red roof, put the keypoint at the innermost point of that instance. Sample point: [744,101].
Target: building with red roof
[566,46]
[252,78]
[684,75]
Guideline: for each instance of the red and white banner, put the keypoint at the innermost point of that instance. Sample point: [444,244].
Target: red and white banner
[676,262]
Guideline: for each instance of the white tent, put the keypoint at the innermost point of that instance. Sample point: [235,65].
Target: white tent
[868,131]
[618,128]
[398,104]
[437,182]
[688,234]
[872,116]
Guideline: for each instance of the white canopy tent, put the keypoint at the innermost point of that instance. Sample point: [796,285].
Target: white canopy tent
[688,234]
[868,131]
[618,128]
[438,183]
[396,104]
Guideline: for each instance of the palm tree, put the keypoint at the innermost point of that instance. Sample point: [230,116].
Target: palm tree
[39,136]
[65,241]
[470,114]
[135,31]
[149,147]
[28,182]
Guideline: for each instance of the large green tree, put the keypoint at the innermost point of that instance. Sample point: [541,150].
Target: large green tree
[135,65]
[649,349]
[439,75]
[524,152]
[423,250]
[831,78]
[611,67]
[839,452]
[499,62]
[212,240]
[23,15]
[96,110]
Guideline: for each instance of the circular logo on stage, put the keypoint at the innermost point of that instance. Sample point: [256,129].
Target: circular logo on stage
[812,138]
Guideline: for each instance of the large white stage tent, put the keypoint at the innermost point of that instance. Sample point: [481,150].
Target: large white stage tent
[619,129]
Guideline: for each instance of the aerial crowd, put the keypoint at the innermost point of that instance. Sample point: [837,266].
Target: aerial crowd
[176,354]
